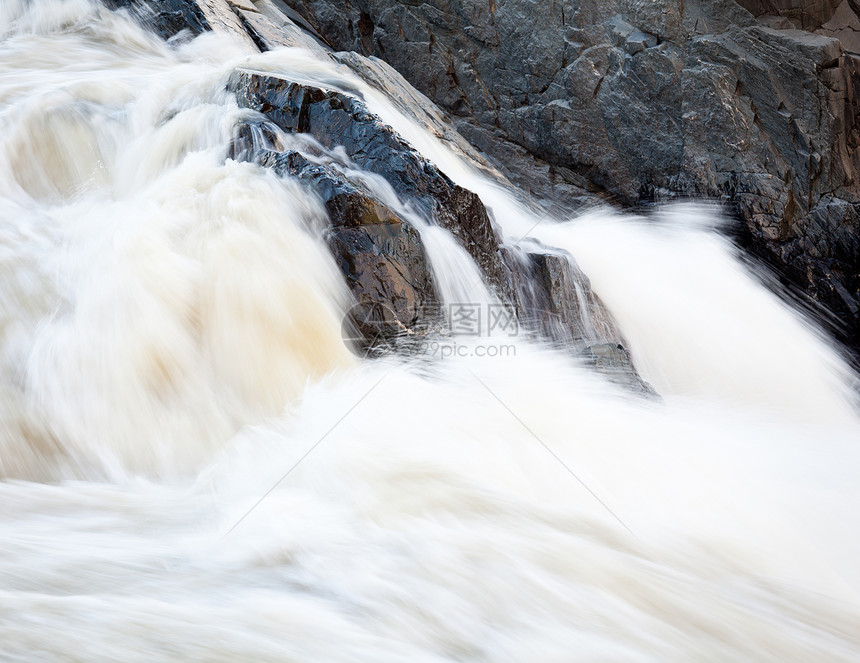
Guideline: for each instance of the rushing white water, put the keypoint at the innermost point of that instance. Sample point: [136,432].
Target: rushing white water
[170,348]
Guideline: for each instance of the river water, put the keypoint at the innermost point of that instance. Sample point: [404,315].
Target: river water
[170,349]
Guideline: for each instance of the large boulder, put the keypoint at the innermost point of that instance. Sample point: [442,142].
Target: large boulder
[339,120]
[379,252]
[645,100]
[381,256]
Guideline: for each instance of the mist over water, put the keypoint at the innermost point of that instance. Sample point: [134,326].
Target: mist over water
[170,347]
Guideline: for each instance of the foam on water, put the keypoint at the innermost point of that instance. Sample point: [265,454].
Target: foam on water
[170,349]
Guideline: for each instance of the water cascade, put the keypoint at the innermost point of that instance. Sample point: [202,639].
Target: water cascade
[196,466]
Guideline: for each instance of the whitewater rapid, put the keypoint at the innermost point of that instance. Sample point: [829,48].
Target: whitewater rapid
[170,350]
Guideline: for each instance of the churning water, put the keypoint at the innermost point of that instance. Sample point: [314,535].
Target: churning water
[170,347]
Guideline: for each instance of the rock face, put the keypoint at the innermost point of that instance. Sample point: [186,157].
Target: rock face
[556,302]
[844,25]
[804,14]
[166,17]
[339,120]
[380,255]
[334,145]
[646,100]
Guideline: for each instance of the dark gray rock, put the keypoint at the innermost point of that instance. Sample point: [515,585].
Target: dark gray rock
[242,19]
[555,301]
[340,120]
[804,14]
[167,18]
[380,255]
[641,101]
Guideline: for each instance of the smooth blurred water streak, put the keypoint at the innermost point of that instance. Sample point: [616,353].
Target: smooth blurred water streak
[170,345]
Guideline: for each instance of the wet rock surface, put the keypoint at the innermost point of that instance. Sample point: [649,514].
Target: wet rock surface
[166,17]
[556,302]
[380,255]
[340,120]
[642,102]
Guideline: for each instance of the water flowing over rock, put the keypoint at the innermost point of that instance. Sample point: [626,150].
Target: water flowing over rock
[380,255]
[645,101]
[634,102]
[193,466]
[340,120]
[556,302]
[167,17]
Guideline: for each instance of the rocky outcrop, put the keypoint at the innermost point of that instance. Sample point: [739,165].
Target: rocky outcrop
[556,302]
[646,100]
[380,255]
[166,17]
[339,120]
[803,14]
[330,141]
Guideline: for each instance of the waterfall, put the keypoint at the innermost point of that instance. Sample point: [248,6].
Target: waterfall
[195,467]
